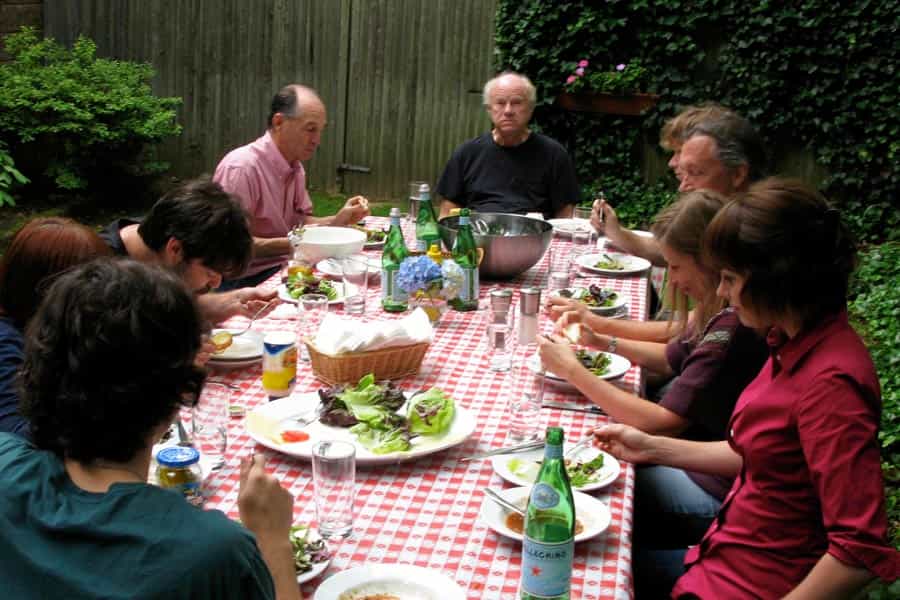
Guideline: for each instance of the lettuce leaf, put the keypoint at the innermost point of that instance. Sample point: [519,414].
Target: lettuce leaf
[431,413]
[379,441]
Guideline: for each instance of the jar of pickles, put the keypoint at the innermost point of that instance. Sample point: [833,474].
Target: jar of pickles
[179,470]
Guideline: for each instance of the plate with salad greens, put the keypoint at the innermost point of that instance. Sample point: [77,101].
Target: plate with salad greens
[298,284]
[604,365]
[589,468]
[375,238]
[311,555]
[599,300]
[613,263]
[384,424]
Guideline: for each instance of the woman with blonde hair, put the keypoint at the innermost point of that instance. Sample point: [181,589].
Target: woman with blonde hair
[712,357]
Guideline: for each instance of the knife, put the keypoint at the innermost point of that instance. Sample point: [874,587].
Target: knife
[508,450]
[596,410]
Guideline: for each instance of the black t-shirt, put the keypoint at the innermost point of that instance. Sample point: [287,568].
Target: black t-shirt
[535,176]
[111,234]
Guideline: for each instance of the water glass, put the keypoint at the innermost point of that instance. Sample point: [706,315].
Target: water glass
[334,479]
[560,271]
[500,343]
[209,427]
[414,200]
[583,212]
[355,277]
[313,308]
[526,396]
[581,245]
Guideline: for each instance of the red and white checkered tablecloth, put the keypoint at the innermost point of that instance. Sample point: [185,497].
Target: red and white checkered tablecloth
[425,512]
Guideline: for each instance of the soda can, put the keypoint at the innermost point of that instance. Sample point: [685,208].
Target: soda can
[279,364]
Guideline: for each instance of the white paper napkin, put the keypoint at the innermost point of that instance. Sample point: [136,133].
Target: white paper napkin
[337,335]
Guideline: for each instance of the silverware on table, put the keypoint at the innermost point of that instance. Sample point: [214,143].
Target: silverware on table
[508,450]
[183,438]
[253,318]
[573,407]
[503,501]
[583,443]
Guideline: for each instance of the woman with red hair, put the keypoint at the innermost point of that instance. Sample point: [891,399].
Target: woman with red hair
[40,251]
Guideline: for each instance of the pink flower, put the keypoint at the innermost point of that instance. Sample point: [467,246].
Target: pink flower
[582,63]
[571,80]
[579,71]
[620,67]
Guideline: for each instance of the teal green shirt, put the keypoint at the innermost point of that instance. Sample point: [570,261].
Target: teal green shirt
[134,541]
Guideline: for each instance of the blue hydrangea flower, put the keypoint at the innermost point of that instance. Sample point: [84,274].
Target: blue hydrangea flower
[416,273]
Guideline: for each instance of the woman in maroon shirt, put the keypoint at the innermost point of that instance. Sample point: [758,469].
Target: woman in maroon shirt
[805,517]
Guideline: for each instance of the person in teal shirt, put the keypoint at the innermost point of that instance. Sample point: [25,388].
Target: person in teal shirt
[109,362]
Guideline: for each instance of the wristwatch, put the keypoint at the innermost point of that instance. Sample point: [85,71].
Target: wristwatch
[613,344]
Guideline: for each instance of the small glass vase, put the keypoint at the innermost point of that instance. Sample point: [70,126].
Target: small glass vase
[434,306]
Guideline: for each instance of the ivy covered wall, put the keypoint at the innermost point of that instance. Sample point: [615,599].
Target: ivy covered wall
[818,79]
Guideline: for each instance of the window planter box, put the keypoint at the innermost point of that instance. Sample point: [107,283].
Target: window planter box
[612,104]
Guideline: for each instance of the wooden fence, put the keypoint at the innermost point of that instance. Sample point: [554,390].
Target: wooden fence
[401,78]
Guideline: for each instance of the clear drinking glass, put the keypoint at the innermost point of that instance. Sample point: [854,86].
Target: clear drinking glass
[501,339]
[334,479]
[583,212]
[581,245]
[312,309]
[526,395]
[355,277]
[208,426]
[414,200]
[560,272]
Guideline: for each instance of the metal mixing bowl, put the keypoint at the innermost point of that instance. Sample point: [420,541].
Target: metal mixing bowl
[512,243]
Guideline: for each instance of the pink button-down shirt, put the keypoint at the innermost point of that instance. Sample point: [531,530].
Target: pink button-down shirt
[811,482]
[271,190]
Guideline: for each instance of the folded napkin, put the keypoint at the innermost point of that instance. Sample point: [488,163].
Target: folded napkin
[340,336]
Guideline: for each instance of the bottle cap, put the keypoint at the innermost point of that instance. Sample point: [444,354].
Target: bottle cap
[530,300]
[424,190]
[177,456]
[454,212]
[434,253]
[395,212]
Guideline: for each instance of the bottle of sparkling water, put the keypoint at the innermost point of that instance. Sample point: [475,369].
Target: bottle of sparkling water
[465,254]
[393,299]
[549,531]
[426,221]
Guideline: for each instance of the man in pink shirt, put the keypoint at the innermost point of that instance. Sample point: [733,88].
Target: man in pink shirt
[268,177]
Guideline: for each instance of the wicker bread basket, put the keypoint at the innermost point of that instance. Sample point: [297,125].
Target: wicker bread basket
[387,363]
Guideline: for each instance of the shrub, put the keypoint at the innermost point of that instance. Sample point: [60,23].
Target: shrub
[75,122]
[9,177]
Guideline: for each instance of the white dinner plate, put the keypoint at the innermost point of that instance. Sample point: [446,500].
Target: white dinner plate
[522,468]
[338,287]
[618,304]
[266,422]
[618,366]
[332,267]
[245,347]
[593,513]
[403,581]
[630,264]
[565,227]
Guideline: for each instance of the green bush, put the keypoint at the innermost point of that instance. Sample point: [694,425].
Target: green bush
[9,177]
[815,75]
[75,122]
[875,311]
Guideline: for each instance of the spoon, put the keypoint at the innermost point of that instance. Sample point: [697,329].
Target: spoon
[503,501]
[253,318]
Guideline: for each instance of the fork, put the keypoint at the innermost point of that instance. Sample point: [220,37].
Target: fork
[583,443]
[253,318]
[304,421]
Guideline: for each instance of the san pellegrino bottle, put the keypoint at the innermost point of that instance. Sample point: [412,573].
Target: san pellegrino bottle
[426,221]
[393,299]
[549,531]
[465,254]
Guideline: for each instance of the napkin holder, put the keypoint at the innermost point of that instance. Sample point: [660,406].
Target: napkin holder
[386,363]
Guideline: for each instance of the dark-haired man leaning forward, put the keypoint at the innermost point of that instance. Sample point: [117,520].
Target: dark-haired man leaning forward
[77,516]
[268,177]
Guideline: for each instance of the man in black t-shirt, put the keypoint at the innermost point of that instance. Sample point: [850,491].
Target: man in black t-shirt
[511,169]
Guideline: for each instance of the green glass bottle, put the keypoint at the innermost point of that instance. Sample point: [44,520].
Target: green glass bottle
[548,542]
[465,254]
[426,221]
[393,299]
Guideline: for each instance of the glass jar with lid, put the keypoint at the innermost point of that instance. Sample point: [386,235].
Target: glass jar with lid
[179,470]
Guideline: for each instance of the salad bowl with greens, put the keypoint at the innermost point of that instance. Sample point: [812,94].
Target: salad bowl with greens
[588,468]
[383,423]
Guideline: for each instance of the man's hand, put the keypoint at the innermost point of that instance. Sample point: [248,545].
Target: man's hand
[216,307]
[604,219]
[207,349]
[265,507]
[354,209]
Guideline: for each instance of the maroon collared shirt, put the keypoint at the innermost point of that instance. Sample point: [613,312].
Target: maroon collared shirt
[811,482]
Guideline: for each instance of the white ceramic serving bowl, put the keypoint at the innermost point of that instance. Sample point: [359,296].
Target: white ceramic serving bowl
[319,243]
